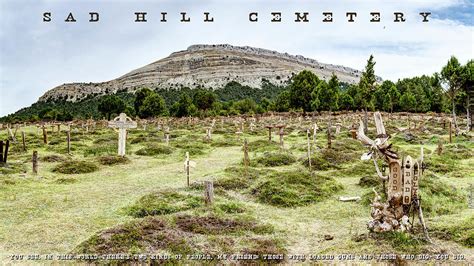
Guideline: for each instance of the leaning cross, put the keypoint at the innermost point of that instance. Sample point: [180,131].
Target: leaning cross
[122,122]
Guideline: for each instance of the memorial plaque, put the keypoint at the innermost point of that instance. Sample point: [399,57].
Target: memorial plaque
[395,179]
[407,180]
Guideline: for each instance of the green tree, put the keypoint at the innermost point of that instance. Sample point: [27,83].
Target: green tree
[408,102]
[326,95]
[346,102]
[184,106]
[204,99]
[153,105]
[140,96]
[392,97]
[282,102]
[111,104]
[301,87]
[367,85]
[452,77]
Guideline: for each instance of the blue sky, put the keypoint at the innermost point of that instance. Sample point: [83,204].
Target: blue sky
[37,56]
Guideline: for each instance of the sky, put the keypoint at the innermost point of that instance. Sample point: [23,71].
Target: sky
[36,56]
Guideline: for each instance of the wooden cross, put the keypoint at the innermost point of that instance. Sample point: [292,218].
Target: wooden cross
[122,122]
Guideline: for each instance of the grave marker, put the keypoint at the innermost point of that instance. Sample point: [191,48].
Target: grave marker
[122,122]
[407,180]
[23,140]
[34,159]
[208,192]
[309,149]
[187,165]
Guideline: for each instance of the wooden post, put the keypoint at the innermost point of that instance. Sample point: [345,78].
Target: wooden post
[35,162]
[246,157]
[329,134]
[45,135]
[1,150]
[5,155]
[23,140]
[269,133]
[309,149]
[407,179]
[186,168]
[68,138]
[450,132]
[208,192]
[59,129]
[281,133]
[439,150]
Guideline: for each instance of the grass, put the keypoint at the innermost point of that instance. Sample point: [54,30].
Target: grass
[113,160]
[75,167]
[297,188]
[164,202]
[152,150]
[89,208]
[271,159]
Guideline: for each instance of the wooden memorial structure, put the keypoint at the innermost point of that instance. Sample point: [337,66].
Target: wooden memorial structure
[403,199]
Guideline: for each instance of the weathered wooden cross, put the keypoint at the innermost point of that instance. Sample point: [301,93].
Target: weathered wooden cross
[122,122]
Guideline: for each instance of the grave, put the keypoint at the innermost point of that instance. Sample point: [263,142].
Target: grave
[403,197]
[122,122]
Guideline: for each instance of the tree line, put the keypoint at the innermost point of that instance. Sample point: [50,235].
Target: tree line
[446,91]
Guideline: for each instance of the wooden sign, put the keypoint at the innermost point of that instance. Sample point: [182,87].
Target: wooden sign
[407,180]
[395,178]
[415,180]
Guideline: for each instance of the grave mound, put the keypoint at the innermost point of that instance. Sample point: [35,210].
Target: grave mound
[113,160]
[276,159]
[294,188]
[75,167]
[152,150]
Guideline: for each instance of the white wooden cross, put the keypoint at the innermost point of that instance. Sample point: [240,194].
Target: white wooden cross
[122,122]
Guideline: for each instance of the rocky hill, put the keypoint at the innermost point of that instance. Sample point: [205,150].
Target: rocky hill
[209,66]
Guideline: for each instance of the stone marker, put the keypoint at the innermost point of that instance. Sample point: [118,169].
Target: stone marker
[122,122]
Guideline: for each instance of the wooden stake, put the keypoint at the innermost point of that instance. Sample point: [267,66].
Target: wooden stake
[68,138]
[1,150]
[309,149]
[5,155]
[23,140]
[209,192]
[45,135]
[450,132]
[246,157]
[35,162]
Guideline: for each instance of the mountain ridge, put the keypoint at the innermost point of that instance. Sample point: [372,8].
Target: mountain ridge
[207,66]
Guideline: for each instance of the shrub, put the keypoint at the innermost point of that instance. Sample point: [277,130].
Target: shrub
[152,150]
[164,202]
[113,160]
[296,188]
[276,159]
[75,167]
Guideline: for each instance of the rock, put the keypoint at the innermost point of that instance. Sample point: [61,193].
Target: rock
[328,237]
[207,66]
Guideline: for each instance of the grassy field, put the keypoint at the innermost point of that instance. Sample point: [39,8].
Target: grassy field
[142,204]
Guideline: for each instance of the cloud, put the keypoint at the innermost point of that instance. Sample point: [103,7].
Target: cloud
[37,56]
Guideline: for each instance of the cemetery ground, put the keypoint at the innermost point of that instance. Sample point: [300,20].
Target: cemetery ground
[95,202]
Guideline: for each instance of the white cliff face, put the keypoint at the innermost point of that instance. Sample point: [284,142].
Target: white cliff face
[208,66]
